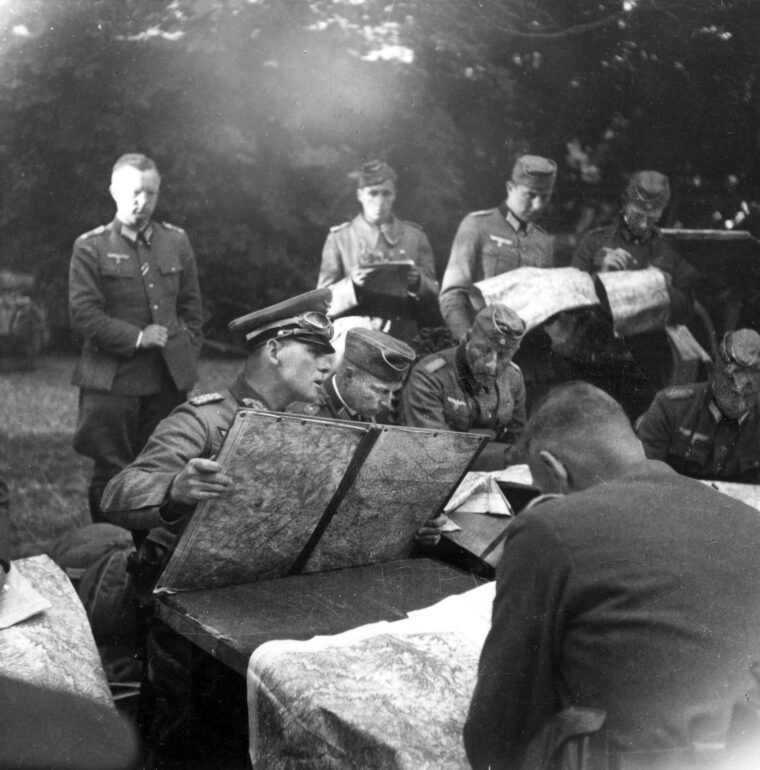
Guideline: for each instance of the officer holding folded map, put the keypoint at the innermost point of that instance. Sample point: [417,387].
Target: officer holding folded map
[379,267]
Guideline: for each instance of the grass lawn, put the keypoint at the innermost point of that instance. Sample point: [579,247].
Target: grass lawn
[47,479]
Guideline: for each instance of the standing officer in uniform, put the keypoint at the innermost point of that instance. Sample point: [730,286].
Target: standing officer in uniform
[494,241]
[354,249]
[289,357]
[474,387]
[711,429]
[635,243]
[134,297]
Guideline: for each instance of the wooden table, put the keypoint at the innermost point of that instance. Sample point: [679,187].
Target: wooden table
[230,623]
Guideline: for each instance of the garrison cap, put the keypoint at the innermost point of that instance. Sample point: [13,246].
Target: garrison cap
[648,189]
[535,172]
[373,172]
[741,348]
[381,355]
[501,326]
[303,318]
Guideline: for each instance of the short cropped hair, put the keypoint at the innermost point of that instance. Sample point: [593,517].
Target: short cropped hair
[576,412]
[135,160]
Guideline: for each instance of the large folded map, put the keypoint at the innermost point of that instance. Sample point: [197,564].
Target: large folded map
[314,494]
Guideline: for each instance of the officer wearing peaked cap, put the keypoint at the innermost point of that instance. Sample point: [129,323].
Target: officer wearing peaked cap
[289,358]
[711,429]
[474,387]
[390,299]
[494,241]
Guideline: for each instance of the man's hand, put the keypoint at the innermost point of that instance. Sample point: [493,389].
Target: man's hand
[360,273]
[413,279]
[154,336]
[429,533]
[614,259]
[200,479]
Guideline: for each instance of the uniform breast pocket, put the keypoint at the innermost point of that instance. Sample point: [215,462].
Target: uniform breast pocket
[495,259]
[171,270]
[113,266]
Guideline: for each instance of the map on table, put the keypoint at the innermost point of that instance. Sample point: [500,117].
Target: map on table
[315,494]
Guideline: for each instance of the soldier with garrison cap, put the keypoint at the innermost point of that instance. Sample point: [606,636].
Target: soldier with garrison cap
[134,298]
[372,371]
[494,241]
[393,299]
[289,358]
[474,387]
[711,429]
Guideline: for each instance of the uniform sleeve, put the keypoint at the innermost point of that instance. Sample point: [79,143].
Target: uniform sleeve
[332,275]
[134,496]
[655,428]
[516,426]
[515,692]
[587,255]
[87,306]
[458,279]
[189,306]
[429,287]
[422,400]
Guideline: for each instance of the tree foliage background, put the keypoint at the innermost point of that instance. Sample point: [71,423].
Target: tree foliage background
[255,111]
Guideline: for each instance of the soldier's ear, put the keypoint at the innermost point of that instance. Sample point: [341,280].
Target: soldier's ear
[272,349]
[556,471]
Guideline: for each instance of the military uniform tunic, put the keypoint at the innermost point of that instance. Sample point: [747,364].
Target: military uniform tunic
[488,243]
[650,251]
[685,428]
[442,393]
[120,281]
[357,243]
[138,497]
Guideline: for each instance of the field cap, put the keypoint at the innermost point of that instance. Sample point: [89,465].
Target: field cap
[373,172]
[741,348]
[302,318]
[379,354]
[648,189]
[536,173]
[501,326]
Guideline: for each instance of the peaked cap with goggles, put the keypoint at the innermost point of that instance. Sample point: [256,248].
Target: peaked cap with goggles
[302,318]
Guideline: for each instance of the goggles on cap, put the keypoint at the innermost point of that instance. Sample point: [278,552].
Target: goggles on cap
[312,322]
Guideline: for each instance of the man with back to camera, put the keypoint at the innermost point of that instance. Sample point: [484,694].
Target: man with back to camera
[134,297]
[289,358]
[711,429]
[494,241]
[628,609]
[474,387]
[354,250]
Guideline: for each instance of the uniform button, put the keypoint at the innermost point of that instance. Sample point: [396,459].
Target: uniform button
[150,285]
[155,307]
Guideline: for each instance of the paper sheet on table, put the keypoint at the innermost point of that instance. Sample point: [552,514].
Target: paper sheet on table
[749,494]
[479,492]
[18,600]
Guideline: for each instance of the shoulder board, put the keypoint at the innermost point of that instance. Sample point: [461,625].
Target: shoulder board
[435,364]
[335,228]
[171,227]
[206,398]
[413,224]
[481,213]
[679,392]
[515,367]
[539,228]
[96,231]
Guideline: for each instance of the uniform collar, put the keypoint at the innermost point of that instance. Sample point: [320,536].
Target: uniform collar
[390,230]
[131,234]
[337,401]
[513,221]
[718,416]
[245,395]
[629,237]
